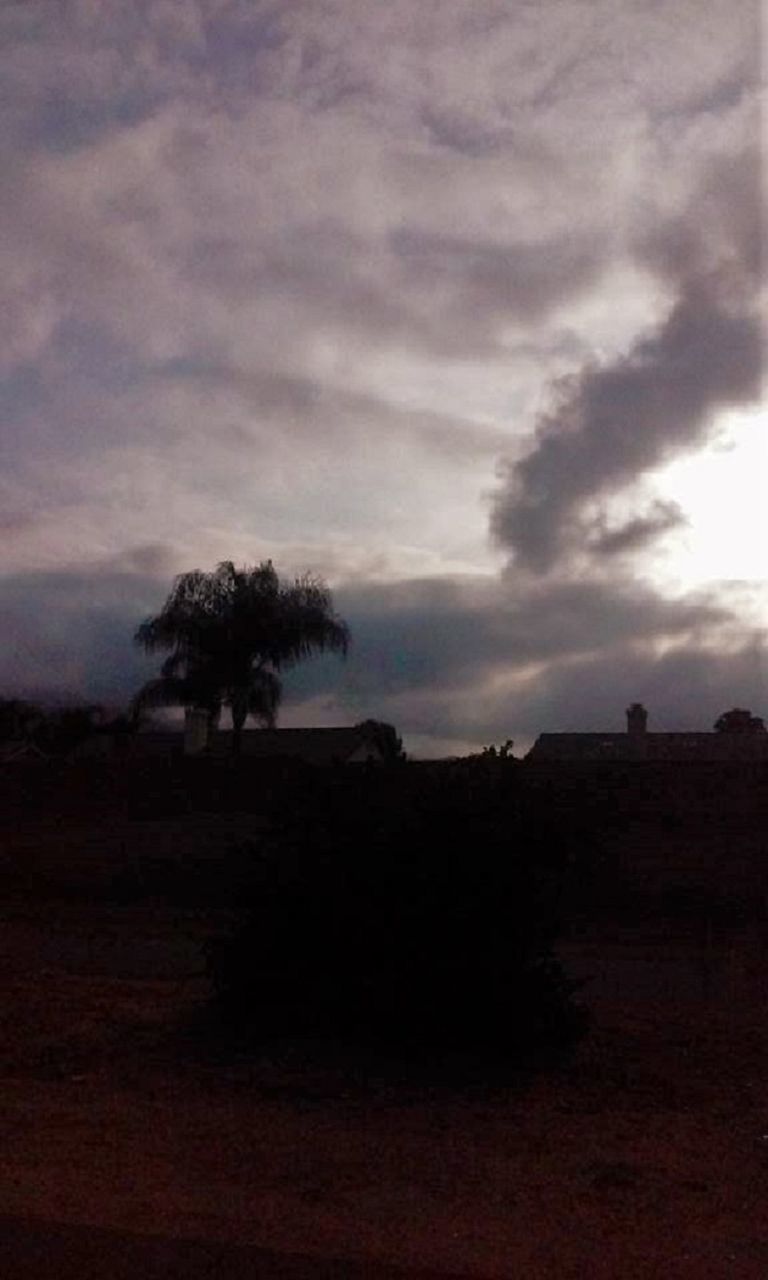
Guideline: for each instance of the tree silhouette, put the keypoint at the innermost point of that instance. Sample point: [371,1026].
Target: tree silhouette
[18,719]
[229,633]
[52,731]
[738,720]
[63,730]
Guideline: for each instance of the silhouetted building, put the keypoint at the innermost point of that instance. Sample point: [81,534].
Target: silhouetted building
[321,747]
[638,744]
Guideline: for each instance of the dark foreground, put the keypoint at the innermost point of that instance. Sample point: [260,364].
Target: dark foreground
[34,1250]
[643,1156]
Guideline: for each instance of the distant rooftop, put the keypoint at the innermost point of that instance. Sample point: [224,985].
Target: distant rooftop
[638,744]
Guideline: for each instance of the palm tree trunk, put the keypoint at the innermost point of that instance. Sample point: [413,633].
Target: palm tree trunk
[214,715]
[239,705]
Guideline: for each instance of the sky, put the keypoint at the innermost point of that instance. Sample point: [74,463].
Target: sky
[455,303]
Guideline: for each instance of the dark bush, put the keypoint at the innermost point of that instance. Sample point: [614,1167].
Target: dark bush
[404,912]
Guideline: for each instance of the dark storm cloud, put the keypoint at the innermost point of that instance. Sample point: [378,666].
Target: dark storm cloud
[476,660]
[635,534]
[684,688]
[446,660]
[69,633]
[443,634]
[612,423]
[463,133]
[421,634]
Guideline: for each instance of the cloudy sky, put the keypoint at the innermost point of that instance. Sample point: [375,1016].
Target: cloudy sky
[454,302]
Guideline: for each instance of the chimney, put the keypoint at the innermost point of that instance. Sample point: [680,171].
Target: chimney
[637,720]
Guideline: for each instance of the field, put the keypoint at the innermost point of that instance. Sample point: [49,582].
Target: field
[644,1156]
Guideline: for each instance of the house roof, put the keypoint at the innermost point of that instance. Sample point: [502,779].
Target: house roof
[649,746]
[312,746]
[579,746]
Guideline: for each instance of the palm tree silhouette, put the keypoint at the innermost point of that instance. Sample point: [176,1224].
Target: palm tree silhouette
[229,633]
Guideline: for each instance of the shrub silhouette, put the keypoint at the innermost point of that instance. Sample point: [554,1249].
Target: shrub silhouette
[407,916]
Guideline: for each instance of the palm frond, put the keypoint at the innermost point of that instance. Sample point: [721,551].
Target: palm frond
[177,691]
[164,692]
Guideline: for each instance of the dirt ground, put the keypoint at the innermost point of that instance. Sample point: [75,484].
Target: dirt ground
[645,1157]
